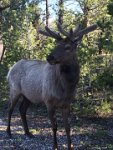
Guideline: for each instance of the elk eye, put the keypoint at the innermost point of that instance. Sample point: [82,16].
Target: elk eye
[67,51]
[67,47]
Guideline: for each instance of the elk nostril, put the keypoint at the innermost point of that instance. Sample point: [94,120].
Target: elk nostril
[50,57]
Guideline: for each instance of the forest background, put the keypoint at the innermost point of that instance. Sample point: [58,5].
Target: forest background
[19,24]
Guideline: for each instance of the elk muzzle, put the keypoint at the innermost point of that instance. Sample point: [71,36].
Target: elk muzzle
[52,60]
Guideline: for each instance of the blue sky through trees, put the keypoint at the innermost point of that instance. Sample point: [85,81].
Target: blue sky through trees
[53,7]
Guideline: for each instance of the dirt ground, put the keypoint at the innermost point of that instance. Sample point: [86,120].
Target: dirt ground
[86,133]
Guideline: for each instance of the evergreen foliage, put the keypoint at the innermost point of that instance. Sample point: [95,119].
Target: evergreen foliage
[19,26]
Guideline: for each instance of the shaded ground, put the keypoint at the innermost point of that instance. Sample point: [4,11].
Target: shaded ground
[87,133]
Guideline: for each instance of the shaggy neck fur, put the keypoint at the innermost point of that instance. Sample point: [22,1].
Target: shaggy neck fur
[69,74]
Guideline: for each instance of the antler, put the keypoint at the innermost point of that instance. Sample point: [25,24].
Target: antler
[77,33]
[53,34]
[79,26]
[50,33]
[80,34]
[87,30]
[44,33]
[62,30]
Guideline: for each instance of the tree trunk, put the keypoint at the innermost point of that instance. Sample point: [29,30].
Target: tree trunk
[2,54]
[47,13]
[61,11]
[28,40]
[86,12]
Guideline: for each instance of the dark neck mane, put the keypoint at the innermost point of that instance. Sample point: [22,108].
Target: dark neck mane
[69,76]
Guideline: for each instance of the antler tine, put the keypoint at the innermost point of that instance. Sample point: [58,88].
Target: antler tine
[62,30]
[53,34]
[87,30]
[77,29]
[44,33]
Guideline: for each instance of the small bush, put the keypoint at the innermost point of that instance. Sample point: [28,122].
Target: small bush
[104,109]
[104,79]
[90,108]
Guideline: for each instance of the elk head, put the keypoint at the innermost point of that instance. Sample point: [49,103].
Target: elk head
[65,47]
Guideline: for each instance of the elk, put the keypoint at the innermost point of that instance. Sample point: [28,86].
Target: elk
[52,82]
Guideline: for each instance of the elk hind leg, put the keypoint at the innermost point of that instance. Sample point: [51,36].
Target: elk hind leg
[23,109]
[10,111]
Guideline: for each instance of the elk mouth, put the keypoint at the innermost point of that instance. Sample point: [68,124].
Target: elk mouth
[53,62]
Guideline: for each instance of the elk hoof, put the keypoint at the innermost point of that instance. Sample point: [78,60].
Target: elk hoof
[71,148]
[30,135]
[55,147]
[9,133]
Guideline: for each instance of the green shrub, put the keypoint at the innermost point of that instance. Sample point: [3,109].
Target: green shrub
[104,79]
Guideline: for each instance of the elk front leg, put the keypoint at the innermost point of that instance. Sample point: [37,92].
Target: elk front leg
[65,114]
[51,113]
